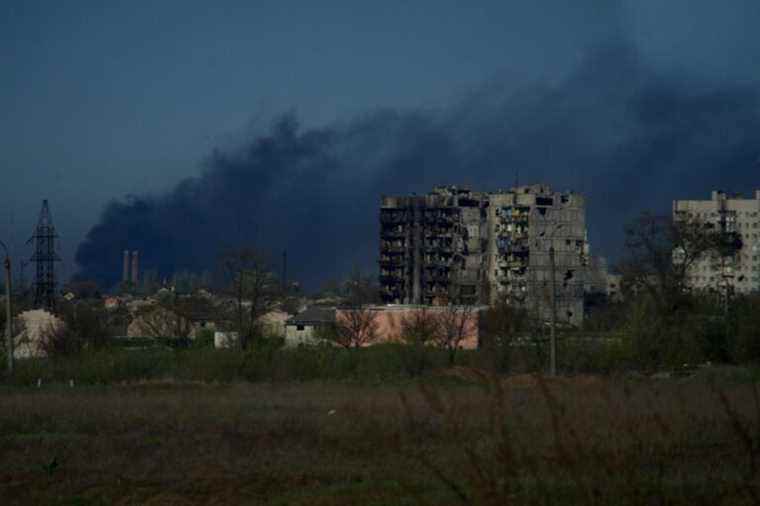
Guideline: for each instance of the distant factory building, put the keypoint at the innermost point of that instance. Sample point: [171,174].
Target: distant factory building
[738,272]
[455,245]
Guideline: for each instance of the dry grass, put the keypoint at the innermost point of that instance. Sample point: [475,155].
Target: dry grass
[476,440]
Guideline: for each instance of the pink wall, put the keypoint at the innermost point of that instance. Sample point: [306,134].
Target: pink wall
[389,322]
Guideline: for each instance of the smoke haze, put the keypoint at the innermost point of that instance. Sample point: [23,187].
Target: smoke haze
[629,135]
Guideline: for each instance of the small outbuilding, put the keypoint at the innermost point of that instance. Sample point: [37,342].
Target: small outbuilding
[301,328]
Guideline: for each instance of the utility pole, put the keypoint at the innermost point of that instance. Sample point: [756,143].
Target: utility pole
[8,311]
[553,293]
[44,258]
[553,336]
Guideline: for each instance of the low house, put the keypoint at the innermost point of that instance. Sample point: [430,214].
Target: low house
[301,329]
[111,302]
[274,322]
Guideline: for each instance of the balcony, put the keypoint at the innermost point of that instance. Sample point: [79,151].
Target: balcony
[391,279]
[392,218]
[436,290]
[392,261]
[395,232]
[442,277]
[439,233]
[438,261]
[441,216]
[392,247]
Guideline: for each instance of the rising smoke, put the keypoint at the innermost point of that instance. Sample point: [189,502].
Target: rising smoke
[629,136]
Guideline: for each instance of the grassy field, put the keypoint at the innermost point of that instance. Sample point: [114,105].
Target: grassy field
[459,437]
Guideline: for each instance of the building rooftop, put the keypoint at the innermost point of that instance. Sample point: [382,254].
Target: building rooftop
[313,316]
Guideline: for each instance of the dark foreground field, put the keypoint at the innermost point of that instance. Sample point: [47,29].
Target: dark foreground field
[461,439]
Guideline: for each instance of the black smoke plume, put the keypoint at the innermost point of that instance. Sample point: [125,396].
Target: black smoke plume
[628,135]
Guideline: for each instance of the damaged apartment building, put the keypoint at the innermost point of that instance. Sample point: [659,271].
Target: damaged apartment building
[457,245]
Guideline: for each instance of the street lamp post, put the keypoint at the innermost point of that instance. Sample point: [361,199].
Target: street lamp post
[8,311]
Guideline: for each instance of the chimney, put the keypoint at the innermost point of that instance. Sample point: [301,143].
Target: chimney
[125,267]
[135,267]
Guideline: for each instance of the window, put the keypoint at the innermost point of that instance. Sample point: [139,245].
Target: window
[467,290]
[300,327]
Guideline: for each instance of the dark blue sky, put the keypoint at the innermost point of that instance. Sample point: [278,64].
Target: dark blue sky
[98,101]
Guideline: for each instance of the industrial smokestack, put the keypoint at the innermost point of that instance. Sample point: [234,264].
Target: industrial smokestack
[125,267]
[135,267]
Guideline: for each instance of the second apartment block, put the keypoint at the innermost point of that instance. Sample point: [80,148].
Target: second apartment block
[729,214]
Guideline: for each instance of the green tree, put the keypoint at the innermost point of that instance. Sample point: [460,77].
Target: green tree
[500,328]
[666,324]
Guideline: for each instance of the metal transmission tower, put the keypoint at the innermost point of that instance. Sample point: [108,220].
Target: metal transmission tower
[44,259]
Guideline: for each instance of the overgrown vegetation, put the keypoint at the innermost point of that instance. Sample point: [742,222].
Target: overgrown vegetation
[464,438]
[266,360]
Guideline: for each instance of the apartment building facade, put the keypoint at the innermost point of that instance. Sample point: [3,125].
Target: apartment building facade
[736,273]
[475,247]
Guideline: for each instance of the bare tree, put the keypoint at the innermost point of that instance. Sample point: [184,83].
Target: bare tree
[249,279]
[454,323]
[355,326]
[420,327]
[83,325]
[175,316]
[161,321]
[455,320]
[356,320]
[661,252]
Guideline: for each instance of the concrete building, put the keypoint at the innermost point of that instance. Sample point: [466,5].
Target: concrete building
[740,272]
[475,247]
